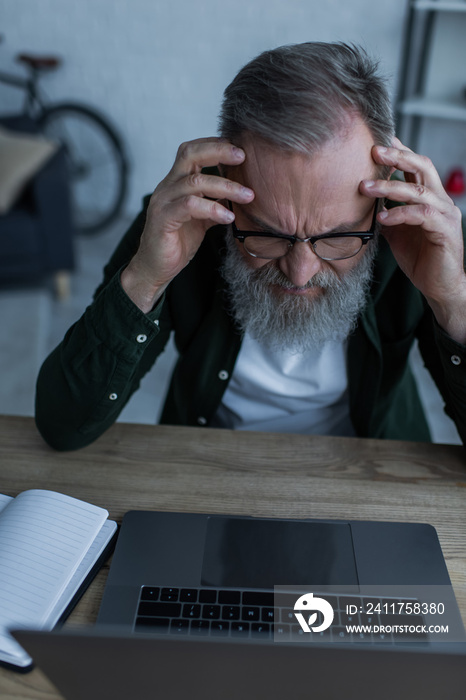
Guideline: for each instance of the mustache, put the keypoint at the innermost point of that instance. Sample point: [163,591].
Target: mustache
[272,275]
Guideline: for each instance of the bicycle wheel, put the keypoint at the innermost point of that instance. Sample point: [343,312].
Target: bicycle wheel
[97,163]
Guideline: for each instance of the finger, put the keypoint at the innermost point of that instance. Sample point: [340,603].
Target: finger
[192,207]
[192,156]
[409,192]
[417,168]
[210,186]
[425,216]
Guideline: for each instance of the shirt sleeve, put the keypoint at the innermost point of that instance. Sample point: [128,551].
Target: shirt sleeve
[86,381]
[453,361]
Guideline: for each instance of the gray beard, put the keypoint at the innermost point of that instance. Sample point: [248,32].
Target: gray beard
[290,321]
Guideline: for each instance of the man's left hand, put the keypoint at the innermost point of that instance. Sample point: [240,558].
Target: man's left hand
[424,233]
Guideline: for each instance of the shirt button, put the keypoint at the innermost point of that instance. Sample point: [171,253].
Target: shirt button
[141,338]
[456,360]
[223,374]
[202,421]
[156,321]
[113,397]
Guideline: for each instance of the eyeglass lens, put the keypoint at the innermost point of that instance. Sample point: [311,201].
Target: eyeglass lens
[327,248]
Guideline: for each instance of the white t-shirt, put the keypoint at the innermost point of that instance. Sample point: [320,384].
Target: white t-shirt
[275,391]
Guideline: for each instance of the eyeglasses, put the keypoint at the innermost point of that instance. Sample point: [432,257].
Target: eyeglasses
[328,246]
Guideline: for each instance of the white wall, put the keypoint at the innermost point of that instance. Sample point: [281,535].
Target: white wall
[159,67]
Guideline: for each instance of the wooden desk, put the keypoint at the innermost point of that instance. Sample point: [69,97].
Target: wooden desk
[219,471]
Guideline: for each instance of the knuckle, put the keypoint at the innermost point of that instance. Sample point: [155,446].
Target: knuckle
[220,145]
[189,202]
[420,190]
[195,180]
[429,211]
[184,151]
[426,162]
[154,203]
[229,186]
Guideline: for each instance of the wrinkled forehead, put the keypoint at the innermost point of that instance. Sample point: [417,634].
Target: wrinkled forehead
[292,185]
[348,153]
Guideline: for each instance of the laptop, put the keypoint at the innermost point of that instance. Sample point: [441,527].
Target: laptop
[248,579]
[95,664]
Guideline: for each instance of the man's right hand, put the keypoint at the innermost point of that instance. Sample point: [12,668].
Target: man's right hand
[182,208]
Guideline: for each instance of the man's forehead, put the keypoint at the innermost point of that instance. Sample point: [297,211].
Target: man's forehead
[345,159]
[296,191]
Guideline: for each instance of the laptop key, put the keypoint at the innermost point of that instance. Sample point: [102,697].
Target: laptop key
[219,628]
[298,634]
[152,624]
[149,593]
[208,596]
[229,597]
[211,612]
[200,627]
[150,609]
[341,634]
[324,636]
[179,626]
[349,619]
[250,614]
[230,612]
[191,611]
[383,638]
[287,615]
[261,630]
[188,595]
[365,637]
[281,631]
[239,629]
[268,615]
[169,594]
[369,619]
[258,598]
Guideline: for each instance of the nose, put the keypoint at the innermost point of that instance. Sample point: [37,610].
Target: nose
[301,264]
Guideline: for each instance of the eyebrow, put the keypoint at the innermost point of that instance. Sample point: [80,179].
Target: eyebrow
[342,228]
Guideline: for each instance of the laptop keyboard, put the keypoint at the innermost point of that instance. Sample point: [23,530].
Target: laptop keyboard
[252,615]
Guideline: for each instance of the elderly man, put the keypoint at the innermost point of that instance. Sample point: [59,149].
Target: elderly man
[293,292]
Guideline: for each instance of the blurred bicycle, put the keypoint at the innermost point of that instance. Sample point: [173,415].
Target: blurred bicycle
[97,162]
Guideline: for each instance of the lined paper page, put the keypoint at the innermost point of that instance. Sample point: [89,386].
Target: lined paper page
[43,538]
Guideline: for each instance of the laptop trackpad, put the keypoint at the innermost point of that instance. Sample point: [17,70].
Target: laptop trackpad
[260,553]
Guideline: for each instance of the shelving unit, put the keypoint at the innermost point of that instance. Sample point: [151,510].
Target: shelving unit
[431,102]
[418,98]
[425,107]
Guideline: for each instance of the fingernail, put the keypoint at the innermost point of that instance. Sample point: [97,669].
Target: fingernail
[247,192]
[382,215]
[369,183]
[238,152]
[228,216]
[382,149]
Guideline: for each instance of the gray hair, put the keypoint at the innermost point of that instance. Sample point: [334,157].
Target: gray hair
[298,97]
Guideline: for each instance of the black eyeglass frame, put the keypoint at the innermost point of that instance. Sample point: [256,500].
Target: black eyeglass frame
[364,236]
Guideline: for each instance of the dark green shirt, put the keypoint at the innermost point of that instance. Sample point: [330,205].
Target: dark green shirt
[86,381]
